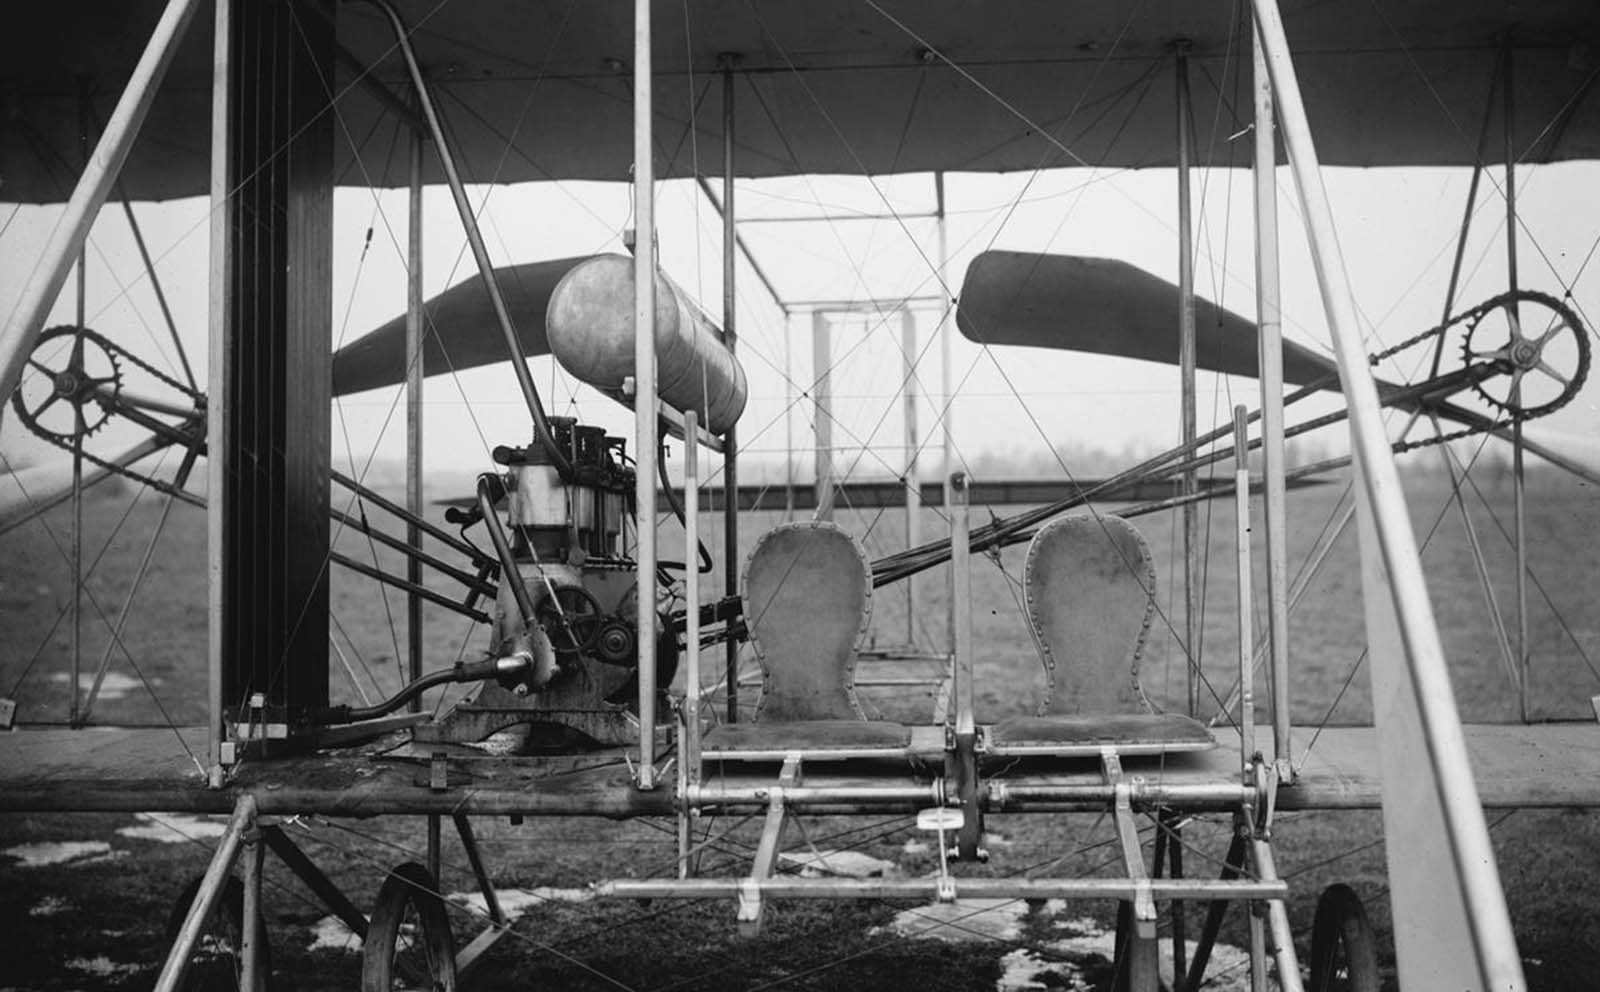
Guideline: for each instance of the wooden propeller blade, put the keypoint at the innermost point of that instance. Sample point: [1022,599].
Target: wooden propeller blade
[459,332]
[1109,307]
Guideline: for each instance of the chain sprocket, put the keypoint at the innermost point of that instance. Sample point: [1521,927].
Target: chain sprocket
[77,387]
[189,434]
[1529,361]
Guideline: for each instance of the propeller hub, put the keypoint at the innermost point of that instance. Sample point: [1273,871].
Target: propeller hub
[68,384]
[1525,354]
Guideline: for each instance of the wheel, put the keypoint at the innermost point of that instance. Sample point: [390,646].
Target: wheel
[409,944]
[1344,951]
[216,961]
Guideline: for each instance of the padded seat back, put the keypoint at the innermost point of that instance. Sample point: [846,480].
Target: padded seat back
[807,603]
[1091,586]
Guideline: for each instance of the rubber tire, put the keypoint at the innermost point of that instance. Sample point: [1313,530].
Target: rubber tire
[1341,924]
[219,971]
[408,885]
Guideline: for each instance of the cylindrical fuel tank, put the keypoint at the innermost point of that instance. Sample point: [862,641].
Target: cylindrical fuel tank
[591,330]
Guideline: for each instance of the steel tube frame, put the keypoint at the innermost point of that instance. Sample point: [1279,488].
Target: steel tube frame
[730,339]
[644,384]
[961,607]
[1467,834]
[71,233]
[1004,796]
[718,793]
[789,887]
[1269,320]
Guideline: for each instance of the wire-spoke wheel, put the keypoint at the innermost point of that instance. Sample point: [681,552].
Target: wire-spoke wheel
[1344,951]
[409,944]
[217,960]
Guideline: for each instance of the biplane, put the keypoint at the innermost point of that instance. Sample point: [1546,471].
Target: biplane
[584,565]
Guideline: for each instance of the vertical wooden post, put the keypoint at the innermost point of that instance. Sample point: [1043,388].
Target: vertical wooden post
[1186,375]
[644,378]
[730,337]
[822,410]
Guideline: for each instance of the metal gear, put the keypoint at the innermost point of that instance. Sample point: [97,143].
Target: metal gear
[572,618]
[92,371]
[1528,363]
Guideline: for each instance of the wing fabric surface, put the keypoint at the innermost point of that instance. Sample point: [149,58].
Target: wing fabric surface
[459,329]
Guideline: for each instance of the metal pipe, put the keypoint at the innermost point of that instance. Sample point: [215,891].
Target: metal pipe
[730,338]
[438,599]
[208,893]
[1467,834]
[1008,796]
[913,486]
[1186,379]
[644,391]
[414,405]
[789,401]
[1241,521]
[413,555]
[946,331]
[509,574]
[1269,319]
[219,367]
[822,410]
[469,225]
[67,241]
[689,754]
[961,604]
[790,887]
[379,500]
[719,793]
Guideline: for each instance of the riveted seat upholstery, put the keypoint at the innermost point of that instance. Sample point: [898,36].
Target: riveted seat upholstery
[807,603]
[1090,584]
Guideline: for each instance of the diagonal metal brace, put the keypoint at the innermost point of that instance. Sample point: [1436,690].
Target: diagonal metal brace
[751,907]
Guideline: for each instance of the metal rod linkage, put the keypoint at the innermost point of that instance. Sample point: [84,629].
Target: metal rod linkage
[469,225]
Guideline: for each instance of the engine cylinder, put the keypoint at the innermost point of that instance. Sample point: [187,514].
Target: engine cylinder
[590,324]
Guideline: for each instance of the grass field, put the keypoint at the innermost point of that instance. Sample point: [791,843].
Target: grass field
[96,918]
